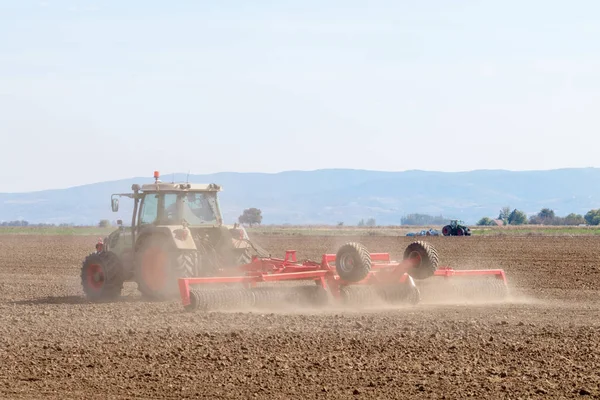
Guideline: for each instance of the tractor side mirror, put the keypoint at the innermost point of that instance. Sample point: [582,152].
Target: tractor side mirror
[114,203]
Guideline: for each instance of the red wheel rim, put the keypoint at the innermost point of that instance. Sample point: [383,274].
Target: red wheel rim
[460,232]
[95,277]
[154,268]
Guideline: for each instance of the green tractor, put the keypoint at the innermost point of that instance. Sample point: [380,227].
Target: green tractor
[176,231]
[456,228]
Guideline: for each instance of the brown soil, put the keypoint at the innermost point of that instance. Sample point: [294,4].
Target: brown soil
[542,344]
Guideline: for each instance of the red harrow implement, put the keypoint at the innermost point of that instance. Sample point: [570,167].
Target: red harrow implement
[352,276]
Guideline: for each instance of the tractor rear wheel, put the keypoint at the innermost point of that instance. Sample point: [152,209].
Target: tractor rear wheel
[353,262]
[158,265]
[447,230]
[102,276]
[425,259]
[244,257]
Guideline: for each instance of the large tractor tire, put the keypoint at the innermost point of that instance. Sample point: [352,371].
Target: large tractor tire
[447,230]
[353,262]
[245,257]
[158,265]
[425,259]
[102,276]
[460,232]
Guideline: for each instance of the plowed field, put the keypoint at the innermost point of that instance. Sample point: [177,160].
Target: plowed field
[543,343]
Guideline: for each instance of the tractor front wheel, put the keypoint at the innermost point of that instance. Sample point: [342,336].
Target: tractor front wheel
[102,276]
[158,266]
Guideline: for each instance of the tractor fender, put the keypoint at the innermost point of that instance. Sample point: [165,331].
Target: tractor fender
[238,232]
[175,234]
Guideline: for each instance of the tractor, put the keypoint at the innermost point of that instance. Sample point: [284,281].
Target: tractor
[456,228]
[176,231]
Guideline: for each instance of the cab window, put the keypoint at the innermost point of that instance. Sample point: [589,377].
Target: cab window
[199,209]
[149,212]
[170,209]
[159,209]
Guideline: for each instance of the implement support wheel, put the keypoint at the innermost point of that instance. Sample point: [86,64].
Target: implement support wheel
[353,262]
[424,257]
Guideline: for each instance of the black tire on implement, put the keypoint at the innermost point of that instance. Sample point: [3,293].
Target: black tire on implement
[426,256]
[158,265]
[102,276]
[353,262]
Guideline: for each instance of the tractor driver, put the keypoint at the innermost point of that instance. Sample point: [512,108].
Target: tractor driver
[168,212]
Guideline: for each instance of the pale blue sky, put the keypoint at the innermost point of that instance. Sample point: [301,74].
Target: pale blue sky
[99,90]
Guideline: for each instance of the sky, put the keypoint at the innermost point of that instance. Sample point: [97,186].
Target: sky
[93,90]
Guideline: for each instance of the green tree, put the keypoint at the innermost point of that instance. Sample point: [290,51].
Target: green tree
[251,216]
[592,217]
[574,219]
[534,220]
[517,217]
[104,223]
[546,215]
[361,222]
[504,214]
[485,221]
[371,222]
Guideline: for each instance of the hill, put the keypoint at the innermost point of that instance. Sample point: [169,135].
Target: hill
[337,195]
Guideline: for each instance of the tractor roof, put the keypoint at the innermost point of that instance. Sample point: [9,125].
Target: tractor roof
[180,187]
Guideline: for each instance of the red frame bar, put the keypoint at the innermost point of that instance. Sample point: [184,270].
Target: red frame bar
[383,269]
[448,272]
[184,283]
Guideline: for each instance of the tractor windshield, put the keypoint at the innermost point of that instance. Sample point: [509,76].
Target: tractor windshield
[200,208]
[171,208]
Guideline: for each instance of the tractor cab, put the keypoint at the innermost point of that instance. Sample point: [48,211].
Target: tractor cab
[182,206]
[185,204]
[455,223]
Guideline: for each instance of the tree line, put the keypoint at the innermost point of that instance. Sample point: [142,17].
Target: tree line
[423,220]
[26,223]
[508,216]
[546,216]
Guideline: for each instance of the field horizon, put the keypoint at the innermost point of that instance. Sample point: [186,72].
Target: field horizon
[331,230]
[331,196]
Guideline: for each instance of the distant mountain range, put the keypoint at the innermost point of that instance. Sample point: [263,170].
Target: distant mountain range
[337,195]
